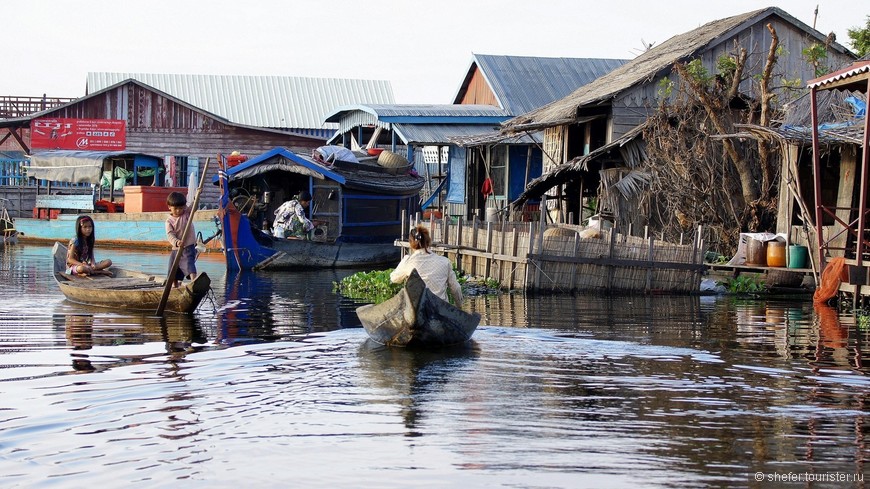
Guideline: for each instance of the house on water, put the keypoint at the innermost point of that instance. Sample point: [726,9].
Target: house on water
[156,136]
[421,134]
[498,166]
[458,147]
[594,138]
[823,186]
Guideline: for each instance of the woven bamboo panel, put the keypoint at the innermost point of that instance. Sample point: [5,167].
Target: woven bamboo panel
[521,256]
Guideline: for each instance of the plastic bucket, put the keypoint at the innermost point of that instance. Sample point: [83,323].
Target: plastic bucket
[797,256]
[775,254]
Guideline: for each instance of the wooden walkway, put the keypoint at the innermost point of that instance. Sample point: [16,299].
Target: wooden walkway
[773,277]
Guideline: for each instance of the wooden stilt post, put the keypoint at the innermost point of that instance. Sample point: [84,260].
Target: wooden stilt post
[488,267]
[460,228]
[514,265]
[610,267]
[575,267]
[502,262]
[540,243]
[445,230]
[649,270]
[530,245]
[474,228]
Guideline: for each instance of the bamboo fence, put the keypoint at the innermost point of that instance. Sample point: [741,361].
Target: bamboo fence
[531,257]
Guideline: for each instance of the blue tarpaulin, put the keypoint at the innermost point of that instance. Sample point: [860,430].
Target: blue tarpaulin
[456,185]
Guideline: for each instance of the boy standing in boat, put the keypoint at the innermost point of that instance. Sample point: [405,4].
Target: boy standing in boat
[179,215]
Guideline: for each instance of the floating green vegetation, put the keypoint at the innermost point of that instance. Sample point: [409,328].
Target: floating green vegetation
[745,284]
[374,286]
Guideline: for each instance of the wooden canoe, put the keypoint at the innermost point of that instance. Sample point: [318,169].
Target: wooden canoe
[127,290]
[415,317]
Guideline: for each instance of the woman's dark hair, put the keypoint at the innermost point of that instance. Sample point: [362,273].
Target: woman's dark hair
[419,238]
[176,199]
[81,239]
[304,196]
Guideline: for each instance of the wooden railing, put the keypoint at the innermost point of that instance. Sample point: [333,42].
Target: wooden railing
[12,106]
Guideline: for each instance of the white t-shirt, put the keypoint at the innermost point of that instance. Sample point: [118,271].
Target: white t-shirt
[435,270]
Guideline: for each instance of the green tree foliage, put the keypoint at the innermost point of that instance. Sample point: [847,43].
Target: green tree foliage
[860,38]
[815,54]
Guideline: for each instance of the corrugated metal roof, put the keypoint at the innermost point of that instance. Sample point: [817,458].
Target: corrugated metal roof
[385,115]
[381,111]
[440,133]
[854,70]
[284,102]
[524,83]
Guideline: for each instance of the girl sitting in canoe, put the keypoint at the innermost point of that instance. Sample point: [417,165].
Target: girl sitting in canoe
[80,252]
[435,270]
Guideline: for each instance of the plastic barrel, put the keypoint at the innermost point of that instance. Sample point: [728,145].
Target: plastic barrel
[797,256]
[756,252]
[776,254]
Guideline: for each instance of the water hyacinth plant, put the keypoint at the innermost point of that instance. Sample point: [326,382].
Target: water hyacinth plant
[374,286]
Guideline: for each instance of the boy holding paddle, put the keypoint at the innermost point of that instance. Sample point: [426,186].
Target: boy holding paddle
[179,215]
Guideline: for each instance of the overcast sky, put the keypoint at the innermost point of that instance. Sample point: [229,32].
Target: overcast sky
[423,48]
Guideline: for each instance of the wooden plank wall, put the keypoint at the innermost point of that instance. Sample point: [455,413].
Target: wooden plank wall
[159,126]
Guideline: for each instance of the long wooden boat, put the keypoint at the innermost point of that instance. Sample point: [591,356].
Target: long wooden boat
[357,208]
[127,289]
[415,317]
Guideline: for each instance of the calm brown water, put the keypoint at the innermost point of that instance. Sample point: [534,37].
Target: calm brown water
[273,384]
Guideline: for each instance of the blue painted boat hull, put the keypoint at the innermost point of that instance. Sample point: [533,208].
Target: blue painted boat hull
[247,248]
[133,230]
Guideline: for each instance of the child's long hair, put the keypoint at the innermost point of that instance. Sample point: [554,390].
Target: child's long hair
[81,238]
[419,238]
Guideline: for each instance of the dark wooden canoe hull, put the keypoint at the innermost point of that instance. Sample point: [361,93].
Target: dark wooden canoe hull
[128,290]
[415,317]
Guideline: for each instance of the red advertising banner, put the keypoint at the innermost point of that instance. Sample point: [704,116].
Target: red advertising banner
[80,134]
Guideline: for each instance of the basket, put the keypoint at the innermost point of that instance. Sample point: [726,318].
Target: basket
[388,159]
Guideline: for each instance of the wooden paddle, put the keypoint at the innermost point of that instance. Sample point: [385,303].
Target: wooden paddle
[170,277]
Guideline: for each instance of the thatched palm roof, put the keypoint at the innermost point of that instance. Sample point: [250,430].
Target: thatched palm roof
[577,166]
[642,69]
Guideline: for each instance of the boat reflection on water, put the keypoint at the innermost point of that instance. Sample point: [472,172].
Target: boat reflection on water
[415,375]
[276,306]
[245,316]
[87,334]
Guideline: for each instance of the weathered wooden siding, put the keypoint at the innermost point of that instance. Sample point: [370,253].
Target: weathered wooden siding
[479,91]
[631,107]
[160,126]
